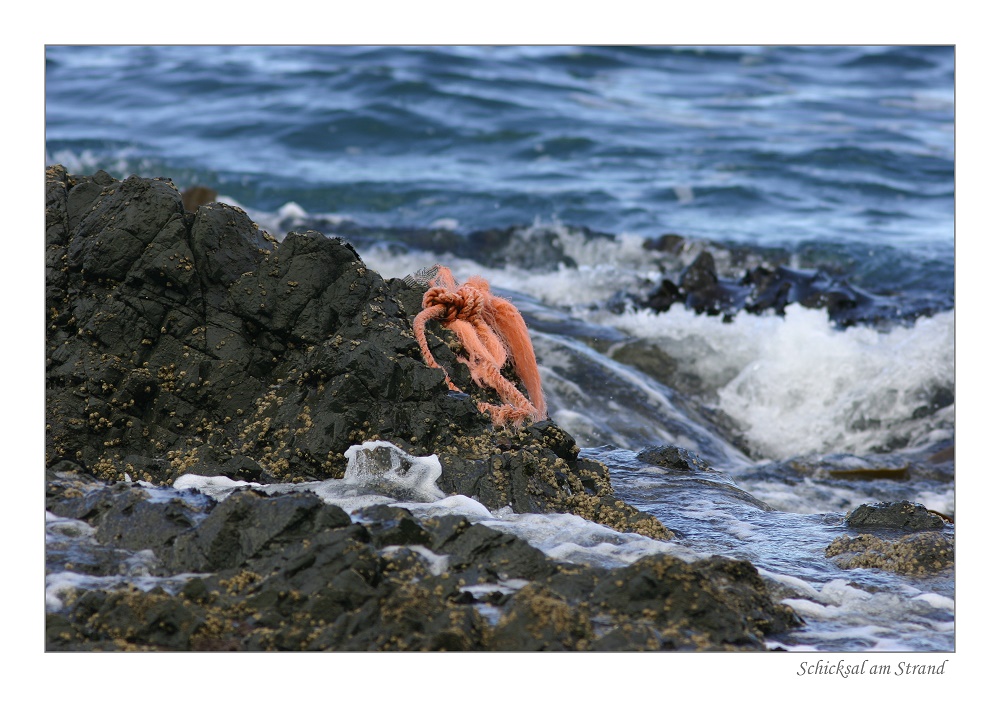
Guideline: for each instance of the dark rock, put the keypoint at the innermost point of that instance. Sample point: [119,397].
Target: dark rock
[444,530]
[114,233]
[537,620]
[703,290]
[665,295]
[724,600]
[894,515]
[673,457]
[393,526]
[182,342]
[144,525]
[195,343]
[490,553]
[761,289]
[921,554]
[124,515]
[294,574]
[668,242]
[246,523]
[630,636]
[815,289]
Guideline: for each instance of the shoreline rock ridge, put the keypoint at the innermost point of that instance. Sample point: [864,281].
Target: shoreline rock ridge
[185,342]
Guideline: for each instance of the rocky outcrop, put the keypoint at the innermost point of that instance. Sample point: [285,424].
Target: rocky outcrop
[193,342]
[889,544]
[183,342]
[291,572]
[700,288]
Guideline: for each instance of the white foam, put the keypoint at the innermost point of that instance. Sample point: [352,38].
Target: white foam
[798,385]
[792,582]
[879,636]
[568,537]
[839,610]
[604,266]
[217,487]
[504,586]
[775,645]
[291,211]
[58,584]
[841,592]
[458,504]
[793,385]
[811,609]
[87,162]
[810,495]
[445,224]
[382,466]
[942,500]
[72,528]
[936,600]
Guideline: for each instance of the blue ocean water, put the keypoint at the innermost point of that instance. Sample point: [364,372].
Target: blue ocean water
[842,157]
[848,150]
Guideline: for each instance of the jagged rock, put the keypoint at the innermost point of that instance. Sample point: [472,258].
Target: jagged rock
[715,603]
[761,289]
[538,620]
[246,524]
[183,342]
[393,526]
[288,572]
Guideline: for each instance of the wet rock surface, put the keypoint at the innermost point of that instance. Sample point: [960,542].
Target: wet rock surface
[895,515]
[763,288]
[193,342]
[888,541]
[919,554]
[673,458]
[184,342]
[290,572]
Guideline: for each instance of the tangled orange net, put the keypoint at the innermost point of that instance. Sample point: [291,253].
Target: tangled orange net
[491,329]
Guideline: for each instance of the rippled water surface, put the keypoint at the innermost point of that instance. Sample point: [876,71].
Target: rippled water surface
[764,145]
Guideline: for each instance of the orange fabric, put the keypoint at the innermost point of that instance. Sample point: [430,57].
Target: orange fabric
[491,329]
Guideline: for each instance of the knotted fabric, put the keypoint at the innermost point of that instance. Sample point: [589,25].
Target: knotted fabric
[491,330]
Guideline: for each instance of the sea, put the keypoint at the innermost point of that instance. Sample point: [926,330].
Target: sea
[838,160]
